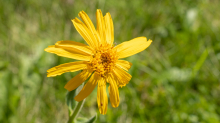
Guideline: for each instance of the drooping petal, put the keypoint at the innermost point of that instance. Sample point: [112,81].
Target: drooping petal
[113,92]
[89,25]
[88,88]
[102,98]
[67,53]
[100,26]
[78,80]
[75,47]
[87,35]
[109,29]
[67,67]
[124,64]
[132,47]
[121,77]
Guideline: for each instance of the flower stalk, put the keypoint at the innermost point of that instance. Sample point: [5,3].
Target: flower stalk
[76,111]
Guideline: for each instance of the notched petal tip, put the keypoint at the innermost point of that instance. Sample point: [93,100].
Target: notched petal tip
[108,14]
[81,12]
[103,112]
[82,15]
[149,40]
[98,10]
[76,20]
[115,106]
[57,43]
[72,20]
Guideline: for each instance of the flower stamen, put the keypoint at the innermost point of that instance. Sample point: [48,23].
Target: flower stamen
[103,61]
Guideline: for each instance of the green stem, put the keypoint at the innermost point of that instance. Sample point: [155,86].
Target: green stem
[76,111]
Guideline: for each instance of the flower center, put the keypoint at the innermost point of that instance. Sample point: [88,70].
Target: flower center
[103,60]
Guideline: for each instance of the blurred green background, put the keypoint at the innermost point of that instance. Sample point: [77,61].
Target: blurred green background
[175,80]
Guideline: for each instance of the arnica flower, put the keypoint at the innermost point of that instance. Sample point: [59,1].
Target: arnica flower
[99,60]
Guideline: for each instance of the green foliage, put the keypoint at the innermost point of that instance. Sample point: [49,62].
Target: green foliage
[92,119]
[175,80]
[71,103]
[85,120]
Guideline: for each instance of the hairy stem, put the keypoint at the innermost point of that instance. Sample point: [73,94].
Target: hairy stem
[76,111]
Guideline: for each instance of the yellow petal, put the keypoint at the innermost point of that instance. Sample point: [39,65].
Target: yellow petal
[132,47]
[87,21]
[88,88]
[78,80]
[113,92]
[102,98]
[109,29]
[124,64]
[89,24]
[87,35]
[74,47]
[121,77]
[67,67]
[67,53]
[100,26]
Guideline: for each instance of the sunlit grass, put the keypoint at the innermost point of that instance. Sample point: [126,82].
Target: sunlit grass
[175,80]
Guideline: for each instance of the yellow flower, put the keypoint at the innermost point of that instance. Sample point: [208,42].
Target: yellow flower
[99,60]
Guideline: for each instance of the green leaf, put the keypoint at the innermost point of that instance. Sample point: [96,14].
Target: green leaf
[200,62]
[92,119]
[70,99]
[81,120]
